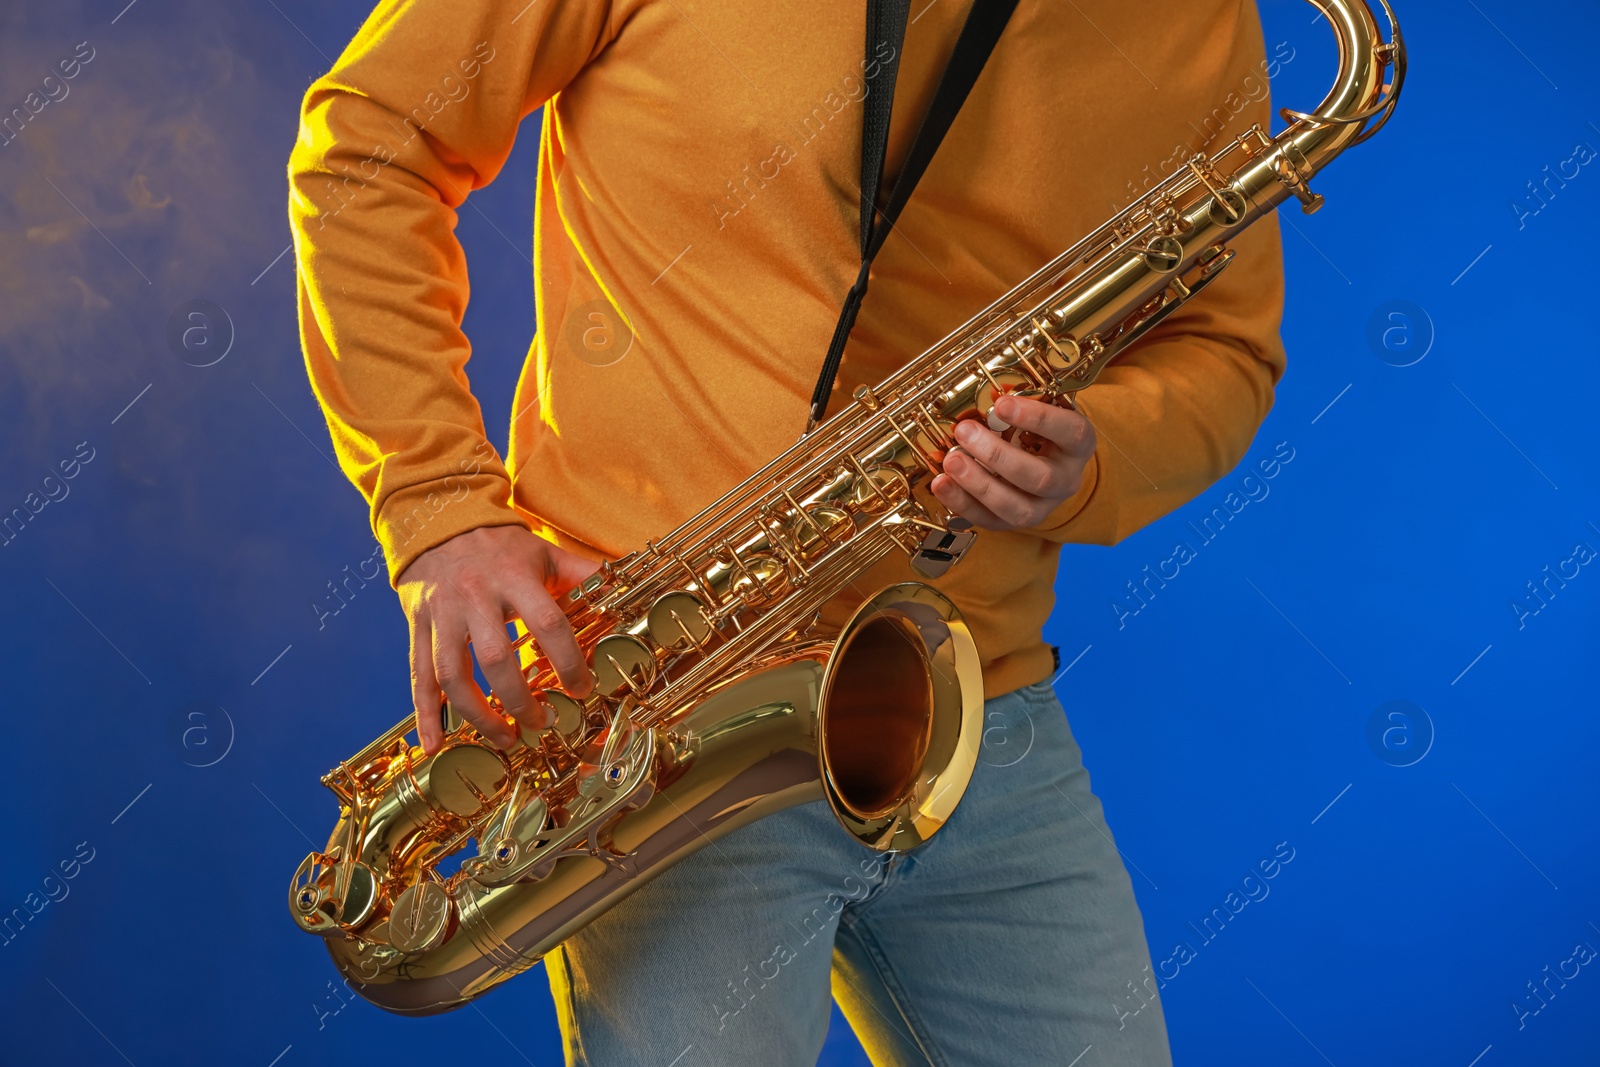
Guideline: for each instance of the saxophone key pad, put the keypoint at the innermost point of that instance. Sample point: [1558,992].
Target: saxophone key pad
[815,531]
[881,489]
[568,718]
[1004,382]
[761,577]
[1228,208]
[465,779]
[678,621]
[1163,254]
[421,916]
[622,663]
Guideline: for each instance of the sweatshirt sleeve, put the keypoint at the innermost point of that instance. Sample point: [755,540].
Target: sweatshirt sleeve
[420,110]
[1178,410]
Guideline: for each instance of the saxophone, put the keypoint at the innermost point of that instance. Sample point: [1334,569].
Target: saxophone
[720,697]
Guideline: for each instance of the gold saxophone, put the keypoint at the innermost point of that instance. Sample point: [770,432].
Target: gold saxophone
[720,698]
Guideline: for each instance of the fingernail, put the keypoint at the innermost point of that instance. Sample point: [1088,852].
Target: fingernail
[966,430]
[955,462]
[1006,408]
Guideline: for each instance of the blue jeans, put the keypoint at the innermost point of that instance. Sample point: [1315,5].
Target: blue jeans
[1012,937]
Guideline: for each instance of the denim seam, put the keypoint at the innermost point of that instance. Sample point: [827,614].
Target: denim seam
[891,877]
[575,1054]
[897,994]
[921,853]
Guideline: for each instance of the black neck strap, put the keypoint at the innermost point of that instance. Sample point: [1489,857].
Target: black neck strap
[886,22]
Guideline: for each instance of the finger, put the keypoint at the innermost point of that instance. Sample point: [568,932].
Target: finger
[1011,505]
[1061,426]
[541,714]
[960,502]
[425,691]
[566,570]
[492,649]
[452,665]
[550,628]
[1037,475]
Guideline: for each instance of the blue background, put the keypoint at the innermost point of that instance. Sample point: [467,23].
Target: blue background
[171,590]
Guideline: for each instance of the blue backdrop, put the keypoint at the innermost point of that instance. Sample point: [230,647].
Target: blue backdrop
[1378,661]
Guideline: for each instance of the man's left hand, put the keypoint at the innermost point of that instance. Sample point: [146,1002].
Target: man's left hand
[999,485]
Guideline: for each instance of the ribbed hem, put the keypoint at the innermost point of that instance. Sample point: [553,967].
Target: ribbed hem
[1017,669]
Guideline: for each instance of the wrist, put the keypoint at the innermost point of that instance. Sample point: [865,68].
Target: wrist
[416,519]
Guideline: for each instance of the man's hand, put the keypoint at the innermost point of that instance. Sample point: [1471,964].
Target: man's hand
[468,589]
[997,484]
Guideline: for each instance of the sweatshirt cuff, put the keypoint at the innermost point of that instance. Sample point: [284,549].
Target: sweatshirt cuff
[423,516]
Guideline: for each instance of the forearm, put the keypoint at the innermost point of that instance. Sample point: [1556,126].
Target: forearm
[421,109]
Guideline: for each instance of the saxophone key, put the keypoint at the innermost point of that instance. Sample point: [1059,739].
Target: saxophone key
[935,435]
[1002,383]
[942,547]
[450,719]
[1163,254]
[760,577]
[677,621]
[567,718]
[325,899]
[1060,355]
[510,841]
[875,490]
[816,529]
[1228,208]
[421,917]
[464,780]
[622,663]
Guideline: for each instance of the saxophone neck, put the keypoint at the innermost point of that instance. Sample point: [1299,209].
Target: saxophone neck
[1361,99]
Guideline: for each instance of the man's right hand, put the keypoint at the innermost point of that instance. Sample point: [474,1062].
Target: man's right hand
[466,590]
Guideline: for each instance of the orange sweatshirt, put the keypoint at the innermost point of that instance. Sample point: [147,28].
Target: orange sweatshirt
[695,234]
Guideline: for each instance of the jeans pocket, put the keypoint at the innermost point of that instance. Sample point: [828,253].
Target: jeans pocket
[1051,724]
[1008,729]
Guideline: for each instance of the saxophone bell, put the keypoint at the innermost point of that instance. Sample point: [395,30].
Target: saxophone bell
[900,717]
